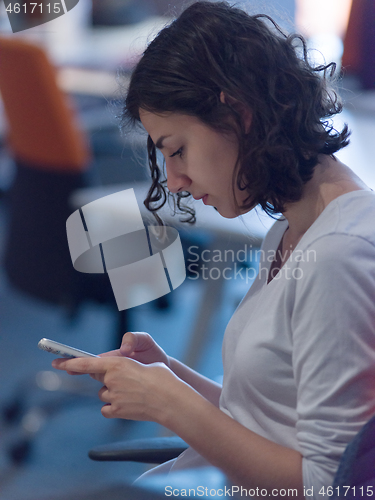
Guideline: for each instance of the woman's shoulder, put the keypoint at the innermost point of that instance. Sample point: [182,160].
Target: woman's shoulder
[345,228]
[348,217]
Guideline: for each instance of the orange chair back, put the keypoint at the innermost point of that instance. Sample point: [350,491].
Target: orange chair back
[42,128]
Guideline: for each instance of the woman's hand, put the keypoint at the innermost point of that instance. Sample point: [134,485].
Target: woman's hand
[141,347]
[131,390]
[152,392]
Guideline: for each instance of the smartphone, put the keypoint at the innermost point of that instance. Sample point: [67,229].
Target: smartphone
[62,350]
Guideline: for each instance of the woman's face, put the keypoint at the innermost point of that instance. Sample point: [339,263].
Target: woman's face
[198,159]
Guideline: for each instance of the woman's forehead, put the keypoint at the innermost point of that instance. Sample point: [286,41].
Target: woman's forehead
[166,122]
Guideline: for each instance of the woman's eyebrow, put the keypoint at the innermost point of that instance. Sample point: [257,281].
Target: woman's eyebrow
[159,143]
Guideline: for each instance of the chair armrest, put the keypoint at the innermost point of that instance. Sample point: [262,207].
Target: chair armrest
[150,450]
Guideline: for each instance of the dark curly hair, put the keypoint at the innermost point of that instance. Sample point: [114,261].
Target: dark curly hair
[213,47]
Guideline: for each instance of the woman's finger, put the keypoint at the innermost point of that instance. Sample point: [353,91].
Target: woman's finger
[82,365]
[108,354]
[104,394]
[107,411]
[129,341]
[97,376]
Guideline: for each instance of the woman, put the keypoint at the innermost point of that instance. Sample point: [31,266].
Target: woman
[242,119]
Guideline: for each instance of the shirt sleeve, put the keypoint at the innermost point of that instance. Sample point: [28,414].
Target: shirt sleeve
[333,333]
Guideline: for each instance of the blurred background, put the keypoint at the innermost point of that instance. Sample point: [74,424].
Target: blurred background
[61,147]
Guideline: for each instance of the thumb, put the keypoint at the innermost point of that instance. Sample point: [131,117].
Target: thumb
[135,342]
[128,345]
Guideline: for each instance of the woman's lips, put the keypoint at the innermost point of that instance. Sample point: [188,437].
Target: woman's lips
[203,198]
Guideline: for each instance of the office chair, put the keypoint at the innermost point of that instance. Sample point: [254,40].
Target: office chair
[51,157]
[357,466]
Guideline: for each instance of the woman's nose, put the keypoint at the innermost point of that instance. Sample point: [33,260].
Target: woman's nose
[177,181]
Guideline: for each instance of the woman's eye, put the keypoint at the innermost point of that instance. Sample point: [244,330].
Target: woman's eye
[177,153]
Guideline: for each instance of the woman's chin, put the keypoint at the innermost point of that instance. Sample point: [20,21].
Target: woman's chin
[226,213]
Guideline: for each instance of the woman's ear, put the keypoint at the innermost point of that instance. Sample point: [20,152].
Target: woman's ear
[242,109]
